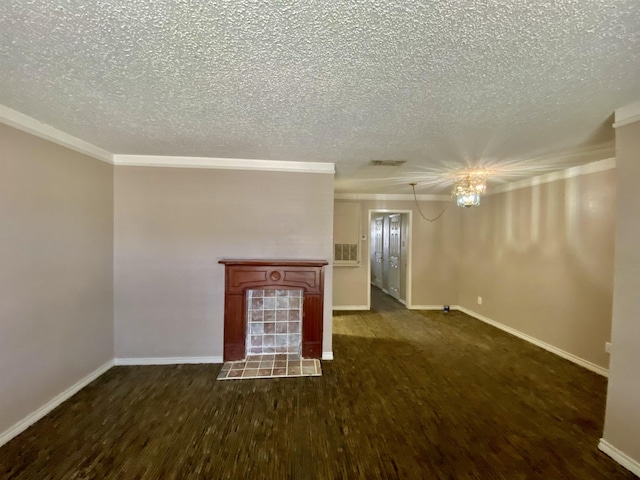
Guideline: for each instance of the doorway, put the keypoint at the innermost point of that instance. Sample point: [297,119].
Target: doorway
[390,251]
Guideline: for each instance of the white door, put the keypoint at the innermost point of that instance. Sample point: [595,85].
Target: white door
[385,254]
[393,284]
[376,262]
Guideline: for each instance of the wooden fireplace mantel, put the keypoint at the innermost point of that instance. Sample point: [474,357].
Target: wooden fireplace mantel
[243,274]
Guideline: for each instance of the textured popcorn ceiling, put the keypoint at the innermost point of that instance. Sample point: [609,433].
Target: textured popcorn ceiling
[527,87]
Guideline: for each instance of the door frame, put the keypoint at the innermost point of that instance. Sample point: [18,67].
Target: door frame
[408,303]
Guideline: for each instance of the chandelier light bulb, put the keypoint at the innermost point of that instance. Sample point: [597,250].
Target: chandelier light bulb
[468,188]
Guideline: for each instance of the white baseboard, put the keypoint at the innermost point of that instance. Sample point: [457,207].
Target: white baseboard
[166,360]
[561,353]
[622,458]
[33,417]
[350,307]
[327,355]
[427,307]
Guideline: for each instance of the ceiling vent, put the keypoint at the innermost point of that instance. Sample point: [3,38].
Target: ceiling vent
[387,163]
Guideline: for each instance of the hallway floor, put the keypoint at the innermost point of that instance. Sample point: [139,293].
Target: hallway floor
[410,395]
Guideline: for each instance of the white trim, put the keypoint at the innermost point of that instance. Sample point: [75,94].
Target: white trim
[593,167]
[430,307]
[33,417]
[327,355]
[627,114]
[561,353]
[626,121]
[385,196]
[223,163]
[167,360]
[622,458]
[350,307]
[35,127]
[346,263]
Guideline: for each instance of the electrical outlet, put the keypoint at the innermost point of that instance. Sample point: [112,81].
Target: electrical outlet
[607,347]
[479,300]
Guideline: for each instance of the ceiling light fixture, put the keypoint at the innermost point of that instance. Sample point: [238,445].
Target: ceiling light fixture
[468,187]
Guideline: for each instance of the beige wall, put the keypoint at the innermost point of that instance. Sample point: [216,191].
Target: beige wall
[622,421]
[434,256]
[346,223]
[541,258]
[56,271]
[172,225]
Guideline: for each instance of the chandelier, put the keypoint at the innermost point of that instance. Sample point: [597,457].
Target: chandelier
[468,187]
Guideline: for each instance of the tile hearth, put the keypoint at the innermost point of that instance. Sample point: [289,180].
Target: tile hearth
[271,366]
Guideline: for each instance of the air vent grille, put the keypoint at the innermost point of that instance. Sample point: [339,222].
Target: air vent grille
[345,252]
[387,163]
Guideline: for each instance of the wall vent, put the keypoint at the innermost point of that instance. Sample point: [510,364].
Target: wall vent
[387,163]
[345,252]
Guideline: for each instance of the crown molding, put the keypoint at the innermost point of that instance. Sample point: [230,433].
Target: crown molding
[384,196]
[18,120]
[593,167]
[222,163]
[13,118]
[627,114]
[35,127]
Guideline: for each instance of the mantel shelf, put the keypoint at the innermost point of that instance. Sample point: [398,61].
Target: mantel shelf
[275,263]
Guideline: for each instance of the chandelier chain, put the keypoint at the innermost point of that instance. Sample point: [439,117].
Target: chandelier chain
[413,186]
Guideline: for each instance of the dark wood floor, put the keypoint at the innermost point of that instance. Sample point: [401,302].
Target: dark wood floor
[410,395]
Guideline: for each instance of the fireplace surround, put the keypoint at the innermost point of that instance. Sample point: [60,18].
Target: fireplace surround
[242,276]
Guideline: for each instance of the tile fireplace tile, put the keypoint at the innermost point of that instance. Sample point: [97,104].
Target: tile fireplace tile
[271,366]
[274,321]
